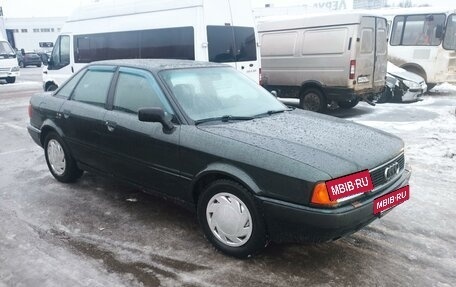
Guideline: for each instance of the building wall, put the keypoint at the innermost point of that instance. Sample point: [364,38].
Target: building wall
[29,33]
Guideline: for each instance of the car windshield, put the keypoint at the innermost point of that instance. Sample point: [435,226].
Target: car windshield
[220,92]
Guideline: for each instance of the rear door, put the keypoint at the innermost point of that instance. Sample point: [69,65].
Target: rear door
[381,53]
[82,116]
[365,59]
[232,36]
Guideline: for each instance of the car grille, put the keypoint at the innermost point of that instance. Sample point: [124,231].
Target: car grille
[378,173]
[5,69]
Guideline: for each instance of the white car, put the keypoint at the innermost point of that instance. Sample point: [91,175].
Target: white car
[402,86]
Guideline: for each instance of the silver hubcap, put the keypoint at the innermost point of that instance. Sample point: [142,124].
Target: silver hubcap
[56,157]
[229,219]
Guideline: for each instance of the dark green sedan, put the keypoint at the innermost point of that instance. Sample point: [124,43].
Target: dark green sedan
[253,169]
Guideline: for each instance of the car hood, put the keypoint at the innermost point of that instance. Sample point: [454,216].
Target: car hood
[334,146]
[400,73]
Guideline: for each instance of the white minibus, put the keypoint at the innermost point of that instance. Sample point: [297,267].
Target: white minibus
[423,41]
[204,30]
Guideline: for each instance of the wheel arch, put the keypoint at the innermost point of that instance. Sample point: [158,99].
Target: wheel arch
[312,84]
[221,171]
[47,127]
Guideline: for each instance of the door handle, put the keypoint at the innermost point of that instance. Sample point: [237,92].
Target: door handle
[111,125]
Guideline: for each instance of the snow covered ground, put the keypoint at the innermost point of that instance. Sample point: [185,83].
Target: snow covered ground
[98,232]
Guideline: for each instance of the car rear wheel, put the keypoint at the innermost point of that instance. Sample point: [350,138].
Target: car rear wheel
[60,163]
[313,100]
[348,104]
[231,220]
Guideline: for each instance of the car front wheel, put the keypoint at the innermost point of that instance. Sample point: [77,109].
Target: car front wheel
[231,220]
[60,163]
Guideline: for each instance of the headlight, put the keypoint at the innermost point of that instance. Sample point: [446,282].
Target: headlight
[15,69]
[411,84]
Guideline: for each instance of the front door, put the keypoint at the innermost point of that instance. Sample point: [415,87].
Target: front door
[140,151]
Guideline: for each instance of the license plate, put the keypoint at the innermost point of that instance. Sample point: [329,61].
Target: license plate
[391,199]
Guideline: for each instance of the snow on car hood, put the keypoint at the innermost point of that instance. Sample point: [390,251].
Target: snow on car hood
[403,74]
[335,146]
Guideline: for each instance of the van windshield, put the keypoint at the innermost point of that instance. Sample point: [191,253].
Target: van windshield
[5,49]
[231,44]
[449,42]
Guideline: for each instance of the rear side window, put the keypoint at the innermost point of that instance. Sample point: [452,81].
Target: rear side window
[93,87]
[367,40]
[231,44]
[65,91]
[167,43]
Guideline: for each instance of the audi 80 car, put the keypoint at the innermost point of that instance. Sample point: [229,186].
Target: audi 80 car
[253,169]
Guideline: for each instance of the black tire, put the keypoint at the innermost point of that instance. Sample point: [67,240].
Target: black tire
[10,80]
[348,104]
[21,64]
[257,240]
[51,88]
[71,172]
[312,99]
[39,65]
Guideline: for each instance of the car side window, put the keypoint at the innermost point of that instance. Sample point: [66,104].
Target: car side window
[137,89]
[93,87]
[65,91]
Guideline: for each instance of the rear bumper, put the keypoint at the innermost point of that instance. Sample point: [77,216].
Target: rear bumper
[287,222]
[35,134]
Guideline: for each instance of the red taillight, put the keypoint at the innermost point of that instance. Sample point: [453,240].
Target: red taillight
[352,69]
[30,110]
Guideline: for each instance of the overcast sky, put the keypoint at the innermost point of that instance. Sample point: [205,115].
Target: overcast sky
[55,8]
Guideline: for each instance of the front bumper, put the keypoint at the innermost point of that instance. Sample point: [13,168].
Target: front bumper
[9,74]
[287,222]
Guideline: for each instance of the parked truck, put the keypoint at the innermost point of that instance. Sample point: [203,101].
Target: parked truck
[322,59]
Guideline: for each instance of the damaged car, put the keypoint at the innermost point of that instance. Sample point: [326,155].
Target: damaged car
[402,86]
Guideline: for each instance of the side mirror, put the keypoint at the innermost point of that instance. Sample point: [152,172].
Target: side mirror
[155,115]
[439,32]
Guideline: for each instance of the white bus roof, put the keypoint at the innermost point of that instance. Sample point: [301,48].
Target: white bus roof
[112,8]
[412,11]
[311,20]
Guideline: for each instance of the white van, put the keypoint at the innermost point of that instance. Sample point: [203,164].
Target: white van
[9,67]
[205,30]
[324,58]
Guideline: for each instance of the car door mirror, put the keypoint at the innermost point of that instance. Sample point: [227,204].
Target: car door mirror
[155,115]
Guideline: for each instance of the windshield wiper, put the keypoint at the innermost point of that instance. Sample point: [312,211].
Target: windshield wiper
[225,118]
[271,112]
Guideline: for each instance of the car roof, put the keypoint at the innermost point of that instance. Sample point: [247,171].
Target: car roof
[156,65]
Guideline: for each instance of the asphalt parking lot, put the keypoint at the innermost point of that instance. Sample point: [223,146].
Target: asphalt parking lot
[99,232]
